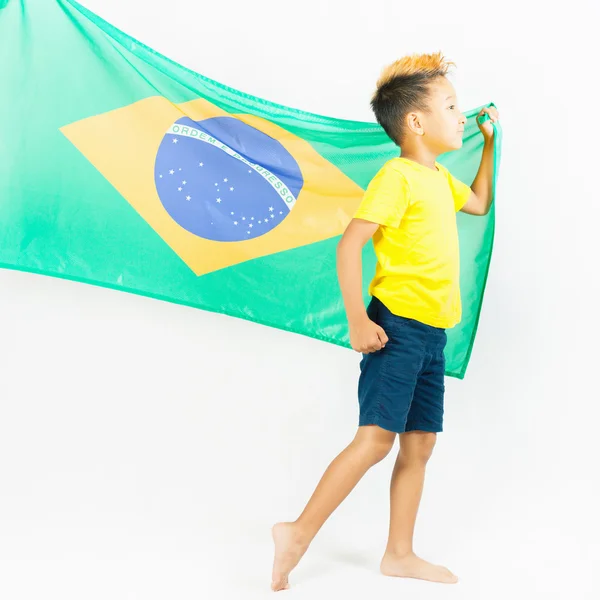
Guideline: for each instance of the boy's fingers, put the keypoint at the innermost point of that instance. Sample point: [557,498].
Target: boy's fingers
[383,337]
[375,345]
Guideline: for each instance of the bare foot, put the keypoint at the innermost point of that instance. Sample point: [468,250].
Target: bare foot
[415,567]
[290,546]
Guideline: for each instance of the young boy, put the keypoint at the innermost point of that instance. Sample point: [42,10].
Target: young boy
[409,211]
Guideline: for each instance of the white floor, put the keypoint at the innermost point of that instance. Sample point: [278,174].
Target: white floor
[146,449]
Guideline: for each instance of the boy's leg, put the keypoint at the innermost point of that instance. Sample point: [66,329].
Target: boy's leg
[371,445]
[416,445]
[406,489]
[405,495]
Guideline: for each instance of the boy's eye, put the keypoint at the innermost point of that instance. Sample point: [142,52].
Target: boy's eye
[453,106]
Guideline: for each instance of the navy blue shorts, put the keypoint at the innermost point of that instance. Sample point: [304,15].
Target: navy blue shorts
[401,386]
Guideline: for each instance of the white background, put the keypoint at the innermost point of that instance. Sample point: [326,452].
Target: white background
[147,448]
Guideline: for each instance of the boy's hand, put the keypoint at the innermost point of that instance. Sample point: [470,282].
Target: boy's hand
[366,336]
[486,128]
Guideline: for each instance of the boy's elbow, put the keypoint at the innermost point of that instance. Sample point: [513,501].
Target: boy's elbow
[481,209]
[341,245]
[347,244]
[343,241]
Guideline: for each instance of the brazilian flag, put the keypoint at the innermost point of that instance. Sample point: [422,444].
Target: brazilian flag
[123,169]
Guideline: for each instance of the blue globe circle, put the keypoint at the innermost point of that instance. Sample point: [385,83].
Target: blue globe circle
[220,197]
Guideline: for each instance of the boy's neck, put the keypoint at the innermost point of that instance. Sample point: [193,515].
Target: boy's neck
[423,156]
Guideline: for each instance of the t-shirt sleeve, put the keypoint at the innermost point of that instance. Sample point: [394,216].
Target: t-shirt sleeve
[460,191]
[386,198]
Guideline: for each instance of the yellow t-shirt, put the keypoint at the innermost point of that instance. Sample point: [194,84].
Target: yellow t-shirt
[417,273]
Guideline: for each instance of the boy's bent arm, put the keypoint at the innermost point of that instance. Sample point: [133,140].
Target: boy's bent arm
[480,201]
[349,267]
[481,197]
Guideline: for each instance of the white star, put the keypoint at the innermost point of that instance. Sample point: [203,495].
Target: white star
[232,213]
[200,164]
[225,180]
[252,218]
[219,200]
[183,182]
[216,184]
[171,172]
[179,189]
[271,208]
[249,170]
[259,222]
[243,218]
[247,232]
[160,176]
[180,168]
[175,140]
[272,216]
[250,225]
[280,212]
[231,189]
[188,197]
[235,222]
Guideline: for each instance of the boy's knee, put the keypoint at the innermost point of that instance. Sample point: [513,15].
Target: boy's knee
[377,443]
[377,449]
[417,446]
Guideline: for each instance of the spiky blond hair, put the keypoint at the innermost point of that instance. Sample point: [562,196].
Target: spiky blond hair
[402,87]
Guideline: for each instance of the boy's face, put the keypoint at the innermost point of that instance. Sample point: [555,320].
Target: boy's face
[444,124]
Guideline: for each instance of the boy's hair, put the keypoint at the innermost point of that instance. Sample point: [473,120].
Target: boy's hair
[404,86]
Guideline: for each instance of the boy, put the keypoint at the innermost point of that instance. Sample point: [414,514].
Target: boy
[409,209]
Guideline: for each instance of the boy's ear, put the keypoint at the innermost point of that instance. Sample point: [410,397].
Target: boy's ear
[413,122]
